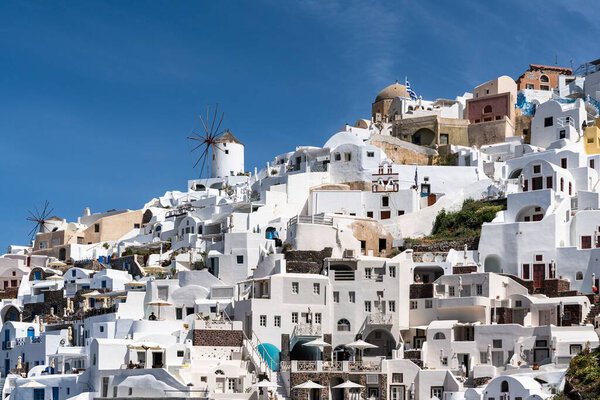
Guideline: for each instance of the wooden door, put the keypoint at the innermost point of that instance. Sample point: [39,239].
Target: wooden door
[539,274]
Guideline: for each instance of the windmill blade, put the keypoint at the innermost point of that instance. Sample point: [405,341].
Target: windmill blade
[202,155]
[203,124]
[214,118]
[203,164]
[220,121]
[32,232]
[195,148]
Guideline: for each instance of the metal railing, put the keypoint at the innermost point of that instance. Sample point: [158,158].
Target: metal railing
[330,366]
[311,219]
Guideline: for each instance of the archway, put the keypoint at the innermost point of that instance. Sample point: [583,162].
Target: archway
[492,264]
[530,213]
[515,173]
[304,353]
[342,353]
[336,394]
[10,313]
[424,137]
[384,341]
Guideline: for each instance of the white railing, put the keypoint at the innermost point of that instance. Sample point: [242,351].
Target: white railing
[380,319]
[330,366]
[304,329]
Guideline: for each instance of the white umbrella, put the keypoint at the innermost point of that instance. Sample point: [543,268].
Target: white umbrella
[348,385]
[265,384]
[319,343]
[309,385]
[159,303]
[360,345]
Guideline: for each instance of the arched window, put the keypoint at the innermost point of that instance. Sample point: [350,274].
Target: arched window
[543,78]
[487,109]
[439,336]
[504,387]
[219,372]
[343,325]
[579,276]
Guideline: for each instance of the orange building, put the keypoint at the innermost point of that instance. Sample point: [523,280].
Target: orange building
[541,77]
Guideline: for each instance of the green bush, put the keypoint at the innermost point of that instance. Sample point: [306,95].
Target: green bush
[464,223]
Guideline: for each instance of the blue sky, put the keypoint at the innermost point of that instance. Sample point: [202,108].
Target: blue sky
[96,98]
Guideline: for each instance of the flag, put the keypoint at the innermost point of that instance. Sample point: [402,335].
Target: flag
[410,92]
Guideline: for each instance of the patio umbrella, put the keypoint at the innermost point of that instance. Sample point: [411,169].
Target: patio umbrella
[265,384]
[158,303]
[360,345]
[308,385]
[348,385]
[318,343]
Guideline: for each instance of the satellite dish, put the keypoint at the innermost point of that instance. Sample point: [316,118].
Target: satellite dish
[428,257]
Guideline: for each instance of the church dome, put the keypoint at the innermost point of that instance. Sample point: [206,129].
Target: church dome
[391,92]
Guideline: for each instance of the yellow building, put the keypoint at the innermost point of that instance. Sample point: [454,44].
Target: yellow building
[592,138]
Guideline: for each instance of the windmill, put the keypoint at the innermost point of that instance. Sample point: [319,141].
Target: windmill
[206,139]
[39,218]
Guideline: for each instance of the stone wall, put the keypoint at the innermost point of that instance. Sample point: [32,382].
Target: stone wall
[217,337]
[421,291]
[466,269]
[9,293]
[442,246]
[490,132]
[303,267]
[134,261]
[52,299]
[400,153]
[306,261]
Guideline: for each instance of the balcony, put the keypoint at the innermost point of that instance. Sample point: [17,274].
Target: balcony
[331,366]
[380,319]
[305,329]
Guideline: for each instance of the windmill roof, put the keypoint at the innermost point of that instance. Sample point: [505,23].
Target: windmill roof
[229,138]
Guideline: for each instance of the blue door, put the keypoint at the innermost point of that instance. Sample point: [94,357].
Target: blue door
[30,332]
[55,393]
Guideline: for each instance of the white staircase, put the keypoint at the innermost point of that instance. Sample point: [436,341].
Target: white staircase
[282,391]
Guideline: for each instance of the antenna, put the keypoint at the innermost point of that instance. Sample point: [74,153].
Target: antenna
[39,218]
[207,137]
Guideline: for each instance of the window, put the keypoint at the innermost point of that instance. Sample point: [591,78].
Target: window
[277,321]
[294,318]
[343,325]
[586,242]
[439,336]
[592,164]
[391,306]
[369,214]
[548,121]
[562,134]
[337,157]
[263,320]
[231,384]
[479,290]
[548,182]
[351,297]
[529,86]
[318,318]
[413,305]
[347,156]
[101,329]
[385,201]
[504,387]
[590,140]
[429,303]
[451,291]
[38,394]
[537,183]
[539,257]
[444,138]
[574,349]
[295,287]
[370,154]
[563,163]
[487,109]
[570,188]
[180,353]
[400,212]
[544,87]
[392,272]
[316,288]
[518,303]
[397,378]
[562,184]
[385,214]
[367,273]
[96,228]
[240,259]
[179,313]
[579,276]
[537,169]
[497,343]
[437,391]
[115,391]
[336,297]
[543,78]
[525,274]
[189,310]
[367,306]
